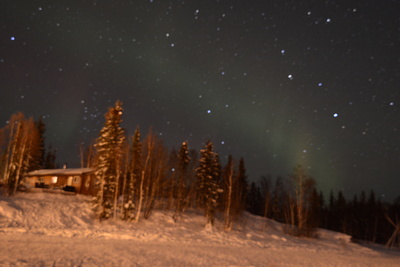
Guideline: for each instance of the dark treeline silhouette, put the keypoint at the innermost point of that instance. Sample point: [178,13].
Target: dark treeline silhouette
[293,201]
[365,217]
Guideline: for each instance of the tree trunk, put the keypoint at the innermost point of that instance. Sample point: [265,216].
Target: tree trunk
[12,152]
[116,193]
[228,215]
[24,141]
[8,154]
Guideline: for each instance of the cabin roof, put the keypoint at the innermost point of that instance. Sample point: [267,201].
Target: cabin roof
[55,172]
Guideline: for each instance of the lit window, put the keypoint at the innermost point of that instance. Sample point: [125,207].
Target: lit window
[54,179]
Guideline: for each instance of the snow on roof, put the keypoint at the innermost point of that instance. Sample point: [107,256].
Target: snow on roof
[76,171]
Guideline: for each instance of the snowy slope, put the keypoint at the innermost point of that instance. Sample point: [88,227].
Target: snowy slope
[57,230]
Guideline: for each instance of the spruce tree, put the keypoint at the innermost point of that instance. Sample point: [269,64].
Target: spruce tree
[39,158]
[255,199]
[109,147]
[278,199]
[242,185]
[50,158]
[208,188]
[182,169]
[134,172]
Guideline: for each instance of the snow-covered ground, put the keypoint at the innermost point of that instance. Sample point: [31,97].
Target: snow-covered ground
[41,229]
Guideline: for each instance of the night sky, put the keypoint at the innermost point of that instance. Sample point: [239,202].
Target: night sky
[278,83]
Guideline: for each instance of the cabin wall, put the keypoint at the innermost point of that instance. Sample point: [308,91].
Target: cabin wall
[82,184]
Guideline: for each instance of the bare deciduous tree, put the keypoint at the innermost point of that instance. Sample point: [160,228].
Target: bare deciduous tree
[21,150]
[300,203]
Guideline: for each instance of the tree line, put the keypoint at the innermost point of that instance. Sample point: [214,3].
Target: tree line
[365,217]
[135,175]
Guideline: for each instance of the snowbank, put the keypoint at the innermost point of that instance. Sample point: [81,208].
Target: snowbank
[59,230]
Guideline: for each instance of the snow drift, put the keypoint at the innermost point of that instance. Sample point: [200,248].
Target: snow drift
[59,230]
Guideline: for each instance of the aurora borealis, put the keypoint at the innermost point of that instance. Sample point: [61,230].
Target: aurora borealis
[278,83]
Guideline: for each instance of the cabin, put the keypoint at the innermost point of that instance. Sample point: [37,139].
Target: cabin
[79,180]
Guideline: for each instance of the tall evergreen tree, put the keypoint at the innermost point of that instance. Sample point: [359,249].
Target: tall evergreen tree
[372,217]
[255,199]
[242,185]
[208,188]
[133,175]
[109,147]
[278,199]
[50,158]
[181,173]
[315,209]
[39,159]
[192,178]
[341,212]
